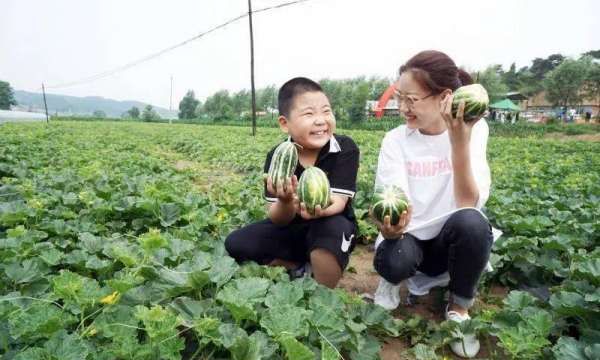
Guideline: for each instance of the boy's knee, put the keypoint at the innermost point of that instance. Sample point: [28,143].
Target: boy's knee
[236,247]
[325,267]
[396,261]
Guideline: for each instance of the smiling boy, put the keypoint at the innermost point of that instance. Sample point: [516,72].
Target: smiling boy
[320,243]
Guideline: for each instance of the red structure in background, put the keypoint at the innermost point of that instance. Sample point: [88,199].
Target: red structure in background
[383,100]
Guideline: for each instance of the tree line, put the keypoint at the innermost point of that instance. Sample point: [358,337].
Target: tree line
[566,82]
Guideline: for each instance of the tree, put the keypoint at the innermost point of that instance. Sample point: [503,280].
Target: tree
[219,106]
[540,67]
[564,84]
[134,112]
[7,97]
[591,87]
[491,80]
[240,102]
[360,95]
[266,98]
[149,114]
[511,78]
[593,53]
[99,114]
[188,105]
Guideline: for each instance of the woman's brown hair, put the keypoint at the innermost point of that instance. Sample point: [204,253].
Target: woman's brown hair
[436,71]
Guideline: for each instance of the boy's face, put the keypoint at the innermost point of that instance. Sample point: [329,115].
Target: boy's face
[311,122]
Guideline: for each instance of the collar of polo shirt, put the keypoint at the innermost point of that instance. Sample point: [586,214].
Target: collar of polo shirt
[334,146]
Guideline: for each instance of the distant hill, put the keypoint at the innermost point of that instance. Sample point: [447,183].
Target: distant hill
[73,105]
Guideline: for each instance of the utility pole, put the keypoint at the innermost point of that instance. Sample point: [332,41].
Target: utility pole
[252,69]
[171,100]
[45,104]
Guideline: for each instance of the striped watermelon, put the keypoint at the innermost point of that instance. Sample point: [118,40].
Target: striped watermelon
[476,101]
[389,200]
[313,189]
[283,163]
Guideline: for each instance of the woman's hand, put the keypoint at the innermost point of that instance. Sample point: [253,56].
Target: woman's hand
[459,131]
[390,231]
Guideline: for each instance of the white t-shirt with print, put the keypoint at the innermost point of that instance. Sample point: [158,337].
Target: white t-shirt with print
[422,166]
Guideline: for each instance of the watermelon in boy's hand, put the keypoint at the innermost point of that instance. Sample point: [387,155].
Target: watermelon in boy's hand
[313,189]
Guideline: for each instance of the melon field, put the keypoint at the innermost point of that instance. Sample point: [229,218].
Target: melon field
[111,247]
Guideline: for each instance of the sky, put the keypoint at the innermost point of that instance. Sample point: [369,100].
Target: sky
[60,41]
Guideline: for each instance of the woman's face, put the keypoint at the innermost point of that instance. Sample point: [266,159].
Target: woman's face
[419,105]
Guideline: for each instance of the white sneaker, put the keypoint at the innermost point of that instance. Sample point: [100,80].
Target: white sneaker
[387,295]
[469,346]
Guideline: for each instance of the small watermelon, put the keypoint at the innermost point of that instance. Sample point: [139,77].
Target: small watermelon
[389,201]
[476,101]
[283,163]
[313,189]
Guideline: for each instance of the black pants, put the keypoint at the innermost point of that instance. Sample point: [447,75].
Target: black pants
[462,248]
[264,241]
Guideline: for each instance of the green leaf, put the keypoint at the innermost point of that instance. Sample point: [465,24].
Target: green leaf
[90,243]
[286,319]
[424,352]
[568,303]
[368,349]
[28,271]
[283,293]
[77,289]
[189,309]
[40,320]
[152,241]
[222,270]
[169,214]
[261,346]
[295,350]
[328,352]
[66,346]
[240,296]
[567,348]
[517,300]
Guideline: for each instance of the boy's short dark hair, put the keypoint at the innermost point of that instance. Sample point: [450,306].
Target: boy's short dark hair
[291,89]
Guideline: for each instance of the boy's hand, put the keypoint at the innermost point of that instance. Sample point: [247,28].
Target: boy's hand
[284,194]
[307,215]
[390,231]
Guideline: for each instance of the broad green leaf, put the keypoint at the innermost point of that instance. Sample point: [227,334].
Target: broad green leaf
[66,346]
[286,319]
[295,350]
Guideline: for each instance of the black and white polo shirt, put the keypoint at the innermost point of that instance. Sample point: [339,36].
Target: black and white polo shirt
[339,159]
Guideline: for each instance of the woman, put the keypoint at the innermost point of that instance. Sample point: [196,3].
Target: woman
[440,162]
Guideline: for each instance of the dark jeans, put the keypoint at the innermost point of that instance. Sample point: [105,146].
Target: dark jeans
[462,248]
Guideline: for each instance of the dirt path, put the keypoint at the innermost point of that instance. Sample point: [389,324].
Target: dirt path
[361,278]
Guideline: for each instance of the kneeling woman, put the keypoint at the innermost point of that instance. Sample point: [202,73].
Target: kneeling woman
[440,162]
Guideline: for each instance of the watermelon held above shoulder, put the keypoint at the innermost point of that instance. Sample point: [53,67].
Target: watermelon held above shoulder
[389,201]
[313,189]
[476,101]
[283,163]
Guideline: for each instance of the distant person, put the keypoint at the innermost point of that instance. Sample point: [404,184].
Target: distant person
[588,116]
[306,244]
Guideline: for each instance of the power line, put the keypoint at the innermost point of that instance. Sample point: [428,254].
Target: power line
[170,48]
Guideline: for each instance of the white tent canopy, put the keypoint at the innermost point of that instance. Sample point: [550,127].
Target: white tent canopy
[20,116]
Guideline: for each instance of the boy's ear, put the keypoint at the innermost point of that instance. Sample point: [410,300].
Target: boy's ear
[283,123]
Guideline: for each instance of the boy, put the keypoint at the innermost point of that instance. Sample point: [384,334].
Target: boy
[291,237]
